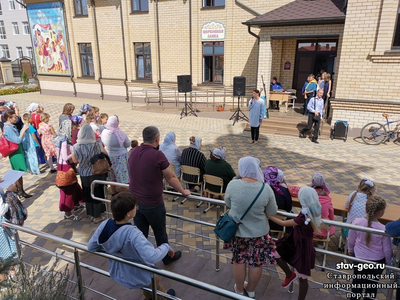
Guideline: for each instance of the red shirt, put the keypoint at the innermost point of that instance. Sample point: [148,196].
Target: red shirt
[146,178]
[35,120]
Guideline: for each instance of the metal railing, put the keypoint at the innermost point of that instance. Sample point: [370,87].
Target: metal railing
[220,203]
[77,246]
[221,96]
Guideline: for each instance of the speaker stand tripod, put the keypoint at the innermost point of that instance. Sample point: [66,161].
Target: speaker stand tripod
[187,106]
[238,114]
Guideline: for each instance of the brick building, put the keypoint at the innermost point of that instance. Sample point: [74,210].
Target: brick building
[120,45]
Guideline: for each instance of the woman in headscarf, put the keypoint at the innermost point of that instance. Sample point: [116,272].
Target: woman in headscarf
[85,148]
[218,166]
[282,195]
[115,142]
[251,244]
[172,152]
[193,157]
[318,183]
[35,110]
[72,195]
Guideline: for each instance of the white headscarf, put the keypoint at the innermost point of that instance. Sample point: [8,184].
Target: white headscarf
[219,153]
[250,167]
[32,107]
[86,135]
[3,206]
[195,142]
[169,142]
[310,204]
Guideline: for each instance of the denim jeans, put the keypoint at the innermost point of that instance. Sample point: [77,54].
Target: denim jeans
[154,216]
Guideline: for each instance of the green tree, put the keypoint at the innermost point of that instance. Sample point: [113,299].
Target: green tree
[25,78]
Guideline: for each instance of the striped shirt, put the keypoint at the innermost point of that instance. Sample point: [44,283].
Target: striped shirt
[193,158]
[84,152]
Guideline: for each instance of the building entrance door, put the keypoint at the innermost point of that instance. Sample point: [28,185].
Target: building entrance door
[311,57]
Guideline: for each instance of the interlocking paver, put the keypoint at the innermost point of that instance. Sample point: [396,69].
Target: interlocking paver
[344,164]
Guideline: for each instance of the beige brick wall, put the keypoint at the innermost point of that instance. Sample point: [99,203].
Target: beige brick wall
[365,71]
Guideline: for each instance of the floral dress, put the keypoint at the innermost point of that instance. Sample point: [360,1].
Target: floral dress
[47,140]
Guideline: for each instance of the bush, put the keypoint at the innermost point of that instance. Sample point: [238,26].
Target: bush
[37,283]
[25,78]
[19,90]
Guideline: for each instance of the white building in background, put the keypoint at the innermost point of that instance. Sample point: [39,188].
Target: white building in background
[15,41]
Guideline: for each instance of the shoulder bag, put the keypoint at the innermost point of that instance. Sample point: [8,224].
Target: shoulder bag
[7,147]
[226,227]
[101,163]
[65,178]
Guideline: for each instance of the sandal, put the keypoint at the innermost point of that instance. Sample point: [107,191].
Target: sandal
[72,218]
[98,220]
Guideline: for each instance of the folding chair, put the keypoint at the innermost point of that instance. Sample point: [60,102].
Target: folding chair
[166,184]
[213,180]
[188,170]
[324,239]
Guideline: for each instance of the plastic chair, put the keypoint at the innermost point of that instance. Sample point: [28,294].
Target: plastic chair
[166,184]
[281,233]
[188,170]
[214,180]
[324,239]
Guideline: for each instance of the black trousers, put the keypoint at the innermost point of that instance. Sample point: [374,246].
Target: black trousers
[371,291]
[255,132]
[309,96]
[94,208]
[310,123]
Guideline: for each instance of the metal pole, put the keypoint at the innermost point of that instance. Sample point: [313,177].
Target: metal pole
[153,287]
[19,251]
[217,246]
[78,275]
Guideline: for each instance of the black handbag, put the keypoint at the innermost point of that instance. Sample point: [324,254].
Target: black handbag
[316,118]
[226,227]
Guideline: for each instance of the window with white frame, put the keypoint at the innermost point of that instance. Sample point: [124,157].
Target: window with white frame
[1,9]
[2,31]
[29,52]
[11,4]
[25,27]
[21,5]
[15,28]
[5,52]
[20,54]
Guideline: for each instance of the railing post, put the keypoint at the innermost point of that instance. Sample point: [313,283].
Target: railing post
[153,287]
[19,251]
[78,275]
[217,246]
[224,97]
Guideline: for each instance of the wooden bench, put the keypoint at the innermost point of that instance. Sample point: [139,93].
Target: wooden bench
[392,212]
[283,98]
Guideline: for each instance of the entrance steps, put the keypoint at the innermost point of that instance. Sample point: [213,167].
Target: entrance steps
[290,124]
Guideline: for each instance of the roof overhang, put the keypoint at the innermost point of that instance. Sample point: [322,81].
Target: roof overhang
[297,22]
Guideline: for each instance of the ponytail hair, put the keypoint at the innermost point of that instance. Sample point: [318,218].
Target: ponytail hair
[365,186]
[374,205]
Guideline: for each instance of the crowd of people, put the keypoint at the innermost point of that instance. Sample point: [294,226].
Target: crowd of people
[144,167]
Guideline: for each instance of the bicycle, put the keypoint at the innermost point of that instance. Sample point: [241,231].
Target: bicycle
[375,133]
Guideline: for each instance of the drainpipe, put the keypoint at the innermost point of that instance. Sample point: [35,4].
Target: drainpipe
[377,26]
[124,51]
[159,53]
[98,49]
[245,7]
[69,48]
[20,3]
[190,40]
[258,54]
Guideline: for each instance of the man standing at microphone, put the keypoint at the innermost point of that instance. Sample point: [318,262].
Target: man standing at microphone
[256,107]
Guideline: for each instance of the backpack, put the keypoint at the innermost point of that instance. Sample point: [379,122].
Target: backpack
[17,213]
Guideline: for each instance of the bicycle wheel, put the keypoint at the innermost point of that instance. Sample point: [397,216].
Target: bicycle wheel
[373,133]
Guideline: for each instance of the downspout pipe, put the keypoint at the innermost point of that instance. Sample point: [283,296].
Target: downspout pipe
[258,45]
[22,4]
[124,51]
[190,42]
[158,47]
[245,7]
[98,49]
[69,48]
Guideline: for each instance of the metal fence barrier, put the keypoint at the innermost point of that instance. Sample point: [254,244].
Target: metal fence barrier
[220,203]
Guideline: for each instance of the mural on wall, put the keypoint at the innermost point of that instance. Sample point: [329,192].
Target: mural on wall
[46,21]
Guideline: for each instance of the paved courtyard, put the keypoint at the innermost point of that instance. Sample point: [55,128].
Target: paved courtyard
[344,164]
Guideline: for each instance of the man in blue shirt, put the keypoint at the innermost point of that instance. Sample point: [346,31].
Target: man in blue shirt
[316,108]
[275,86]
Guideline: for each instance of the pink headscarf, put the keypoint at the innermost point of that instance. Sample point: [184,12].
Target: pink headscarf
[272,179]
[113,128]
